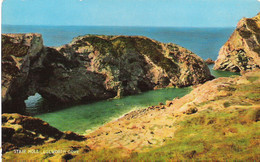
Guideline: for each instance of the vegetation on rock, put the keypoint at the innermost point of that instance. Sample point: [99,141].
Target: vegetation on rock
[92,68]
[242,51]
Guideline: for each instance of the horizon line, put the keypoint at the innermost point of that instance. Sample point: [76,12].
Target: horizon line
[119,26]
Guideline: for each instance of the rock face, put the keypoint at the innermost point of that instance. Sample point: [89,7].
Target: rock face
[19,52]
[93,68]
[19,131]
[209,61]
[242,51]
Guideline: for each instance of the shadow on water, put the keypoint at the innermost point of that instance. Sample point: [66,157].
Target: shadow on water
[218,74]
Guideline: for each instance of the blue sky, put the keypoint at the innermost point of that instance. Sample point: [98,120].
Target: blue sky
[176,13]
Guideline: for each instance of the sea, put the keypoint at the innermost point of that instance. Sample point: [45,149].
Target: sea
[205,42]
[82,119]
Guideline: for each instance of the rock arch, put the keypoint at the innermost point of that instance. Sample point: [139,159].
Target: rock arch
[92,68]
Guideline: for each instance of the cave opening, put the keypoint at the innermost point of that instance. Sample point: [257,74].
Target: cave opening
[34,104]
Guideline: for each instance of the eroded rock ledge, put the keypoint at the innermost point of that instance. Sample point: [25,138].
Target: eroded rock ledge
[242,51]
[19,131]
[92,68]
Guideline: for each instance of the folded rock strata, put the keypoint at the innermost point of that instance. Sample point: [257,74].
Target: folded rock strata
[242,51]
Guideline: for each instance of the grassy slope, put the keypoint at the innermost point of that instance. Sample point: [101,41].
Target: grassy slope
[212,135]
[225,127]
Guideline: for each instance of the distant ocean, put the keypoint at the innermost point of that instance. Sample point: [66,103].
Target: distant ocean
[205,42]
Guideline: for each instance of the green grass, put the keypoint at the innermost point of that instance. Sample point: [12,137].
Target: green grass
[212,136]
[207,135]
[253,96]
[103,155]
[226,104]
[252,78]
[247,87]
[100,44]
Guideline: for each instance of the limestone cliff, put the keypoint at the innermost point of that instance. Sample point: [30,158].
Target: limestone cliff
[93,68]
[242,51]
[19,51]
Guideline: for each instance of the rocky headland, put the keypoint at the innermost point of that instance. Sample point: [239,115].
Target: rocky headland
[92,68]
[242,51]
[209,61]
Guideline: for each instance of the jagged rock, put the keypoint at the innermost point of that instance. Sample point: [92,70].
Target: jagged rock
[161,103]
[19,131]
[242,51]
[209,61]
[86,149]
[190,154]
[191,110]
[92,68]
[73,136]
[168,103]
[18,53]
[67,157]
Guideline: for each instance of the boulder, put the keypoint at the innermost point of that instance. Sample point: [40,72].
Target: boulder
[169,103]
[209,61]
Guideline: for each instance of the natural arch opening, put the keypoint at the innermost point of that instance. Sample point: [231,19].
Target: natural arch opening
[34,104]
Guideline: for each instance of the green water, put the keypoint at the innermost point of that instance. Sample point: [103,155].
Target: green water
[218,74]
[90,116]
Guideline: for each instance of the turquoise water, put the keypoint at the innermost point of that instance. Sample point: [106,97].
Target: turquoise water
[205,42]
[90,116]
[218,74]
